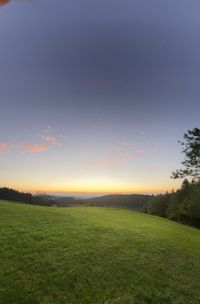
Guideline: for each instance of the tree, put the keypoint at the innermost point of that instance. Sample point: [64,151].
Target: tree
[191,162]
[158,205]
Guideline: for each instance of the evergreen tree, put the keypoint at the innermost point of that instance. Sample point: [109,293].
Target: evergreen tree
[191,162]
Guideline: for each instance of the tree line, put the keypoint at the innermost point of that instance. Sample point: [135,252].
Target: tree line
[23,197]
[133,201]
[184,204]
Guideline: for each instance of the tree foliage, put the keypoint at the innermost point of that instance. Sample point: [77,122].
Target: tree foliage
[191,162]
[28,198]
[182,206]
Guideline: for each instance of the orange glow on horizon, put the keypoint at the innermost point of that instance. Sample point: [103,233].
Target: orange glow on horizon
[96,190]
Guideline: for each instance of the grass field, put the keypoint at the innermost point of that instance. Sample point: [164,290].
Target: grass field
[95,256]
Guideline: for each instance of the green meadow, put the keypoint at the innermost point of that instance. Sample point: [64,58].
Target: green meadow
[94,255]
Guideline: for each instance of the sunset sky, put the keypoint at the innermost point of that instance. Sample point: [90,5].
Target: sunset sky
[94,95]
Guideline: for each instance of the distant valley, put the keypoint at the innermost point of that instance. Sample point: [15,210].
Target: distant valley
[135,201]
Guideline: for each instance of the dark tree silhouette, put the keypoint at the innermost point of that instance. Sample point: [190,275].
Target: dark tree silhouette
[182,206]
[28,198]
[13,195]
[191,162]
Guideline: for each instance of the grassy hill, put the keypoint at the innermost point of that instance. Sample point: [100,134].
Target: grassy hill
[95,256]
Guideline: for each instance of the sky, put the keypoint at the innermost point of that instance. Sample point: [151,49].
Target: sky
[94,95]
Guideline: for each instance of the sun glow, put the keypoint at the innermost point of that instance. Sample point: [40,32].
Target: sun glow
[92,187]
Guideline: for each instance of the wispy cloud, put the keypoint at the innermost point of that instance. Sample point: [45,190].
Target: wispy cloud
[35,148]
[114,155]
[126,150]
[51,139]
[47,137]
[29,148]
[5,148]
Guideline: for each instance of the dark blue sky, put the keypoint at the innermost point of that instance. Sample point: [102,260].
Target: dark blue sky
[99,72]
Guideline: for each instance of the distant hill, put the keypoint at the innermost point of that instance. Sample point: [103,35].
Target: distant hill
[119,200]
[136,201]
[65,201]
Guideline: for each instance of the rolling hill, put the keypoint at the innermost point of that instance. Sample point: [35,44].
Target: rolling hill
[95,256]
[133,201]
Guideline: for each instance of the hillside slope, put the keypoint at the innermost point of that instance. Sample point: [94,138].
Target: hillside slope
[95,256]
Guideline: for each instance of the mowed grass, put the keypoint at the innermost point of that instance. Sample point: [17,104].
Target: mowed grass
[95,256]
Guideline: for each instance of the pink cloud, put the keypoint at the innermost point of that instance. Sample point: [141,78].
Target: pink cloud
[4,148]
[125,150]
[49,138]
[35,148]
